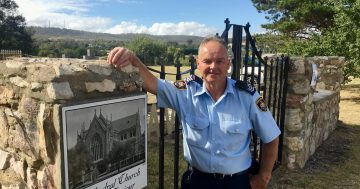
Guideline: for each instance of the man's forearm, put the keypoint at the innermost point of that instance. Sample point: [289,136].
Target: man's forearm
[150,81]
[268,157]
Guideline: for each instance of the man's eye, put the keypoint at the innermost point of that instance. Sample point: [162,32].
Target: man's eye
[207,61]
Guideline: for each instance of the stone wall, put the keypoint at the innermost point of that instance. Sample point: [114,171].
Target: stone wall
[311,114]
[31,93]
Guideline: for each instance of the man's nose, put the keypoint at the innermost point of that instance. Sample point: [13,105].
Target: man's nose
[212,65]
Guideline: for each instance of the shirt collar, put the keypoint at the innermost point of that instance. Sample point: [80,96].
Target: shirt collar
[229,88]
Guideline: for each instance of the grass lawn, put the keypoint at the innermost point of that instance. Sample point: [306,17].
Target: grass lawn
[153,164]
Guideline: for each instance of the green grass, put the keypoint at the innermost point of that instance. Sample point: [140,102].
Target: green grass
[153,163]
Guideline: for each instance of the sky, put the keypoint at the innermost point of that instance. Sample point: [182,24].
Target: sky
[157,17]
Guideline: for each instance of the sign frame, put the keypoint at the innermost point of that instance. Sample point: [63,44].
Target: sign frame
[104,143]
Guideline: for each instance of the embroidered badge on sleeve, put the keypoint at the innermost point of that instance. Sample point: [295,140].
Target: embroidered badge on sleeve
[180,84]
[260,103]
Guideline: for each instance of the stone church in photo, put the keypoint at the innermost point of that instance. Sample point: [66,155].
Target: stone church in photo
[103,134]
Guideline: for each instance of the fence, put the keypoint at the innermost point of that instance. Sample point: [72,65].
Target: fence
[10,53]
[268,75]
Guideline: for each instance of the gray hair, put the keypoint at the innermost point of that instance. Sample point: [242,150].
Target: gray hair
[212,38]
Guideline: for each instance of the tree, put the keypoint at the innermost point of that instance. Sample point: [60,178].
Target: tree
[317,28]
[297,18]
[13,34]
[147,49]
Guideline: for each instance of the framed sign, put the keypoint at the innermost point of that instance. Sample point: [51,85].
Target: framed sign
[104,144]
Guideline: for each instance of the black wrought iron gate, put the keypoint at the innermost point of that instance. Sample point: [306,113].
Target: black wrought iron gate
[268,75]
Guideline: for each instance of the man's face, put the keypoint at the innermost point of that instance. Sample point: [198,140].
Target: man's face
[213,62]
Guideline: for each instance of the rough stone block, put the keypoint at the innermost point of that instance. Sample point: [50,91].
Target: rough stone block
[18,167]
[4,127]
[100,69]
[28,107]
[294,101]
[295,144]
[6,94]
[45,177]
[4,160]
[293,120]
[291,159]
[48,138]
[104,86]
[62,69]
[35,86]
[12,64]
[40,72]
[59,91]
[18,81]
[297,66]
[130,68]
[19,140]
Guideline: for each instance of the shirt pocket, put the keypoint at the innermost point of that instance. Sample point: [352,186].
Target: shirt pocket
[237,135]
[197,131]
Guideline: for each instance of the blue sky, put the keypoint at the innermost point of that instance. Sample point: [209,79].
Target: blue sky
[158,17]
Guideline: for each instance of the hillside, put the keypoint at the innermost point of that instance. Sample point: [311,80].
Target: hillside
[59,33]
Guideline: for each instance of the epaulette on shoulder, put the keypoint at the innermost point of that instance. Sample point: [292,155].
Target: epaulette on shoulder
[242,85]
[193,78]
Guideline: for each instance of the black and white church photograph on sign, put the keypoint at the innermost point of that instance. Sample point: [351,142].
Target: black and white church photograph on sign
[104,144]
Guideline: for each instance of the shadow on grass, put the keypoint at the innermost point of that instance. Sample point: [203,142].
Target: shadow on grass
[333,165]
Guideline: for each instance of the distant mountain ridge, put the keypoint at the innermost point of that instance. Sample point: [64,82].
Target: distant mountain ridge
[60,33]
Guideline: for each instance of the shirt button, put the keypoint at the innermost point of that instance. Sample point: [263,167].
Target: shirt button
[237,130]
[218,152]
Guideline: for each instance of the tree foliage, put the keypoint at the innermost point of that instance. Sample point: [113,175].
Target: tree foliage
[315,28]
[151,52]
[13,34]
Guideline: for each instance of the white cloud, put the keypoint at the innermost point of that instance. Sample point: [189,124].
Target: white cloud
[66,13]
[74,14]
[181,28]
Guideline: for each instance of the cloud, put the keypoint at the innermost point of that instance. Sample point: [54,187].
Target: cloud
[167,28]
[63,14]
[74,14]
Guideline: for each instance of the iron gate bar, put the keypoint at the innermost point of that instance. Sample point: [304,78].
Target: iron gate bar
[259,75]
[161,139]
[275,87]
[177,133]
[237,36]
[270,85]
[280,89]
[246,59]
[252,67]
[283,106]
[265,77]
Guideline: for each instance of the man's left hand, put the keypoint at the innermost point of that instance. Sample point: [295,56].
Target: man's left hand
[259,181]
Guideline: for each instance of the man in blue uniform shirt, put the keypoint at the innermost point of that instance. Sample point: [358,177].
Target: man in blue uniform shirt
[217,115]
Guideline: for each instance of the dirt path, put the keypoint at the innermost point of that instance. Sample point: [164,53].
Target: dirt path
[336,163]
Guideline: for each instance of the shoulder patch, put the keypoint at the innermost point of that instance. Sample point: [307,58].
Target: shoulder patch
[242,85]
[260,103]
[193,78]
[180,84]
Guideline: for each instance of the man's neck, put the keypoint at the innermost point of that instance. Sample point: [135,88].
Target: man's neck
[216,90]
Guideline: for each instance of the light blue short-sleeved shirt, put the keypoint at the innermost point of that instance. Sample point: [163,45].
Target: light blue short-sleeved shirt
[217,134]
